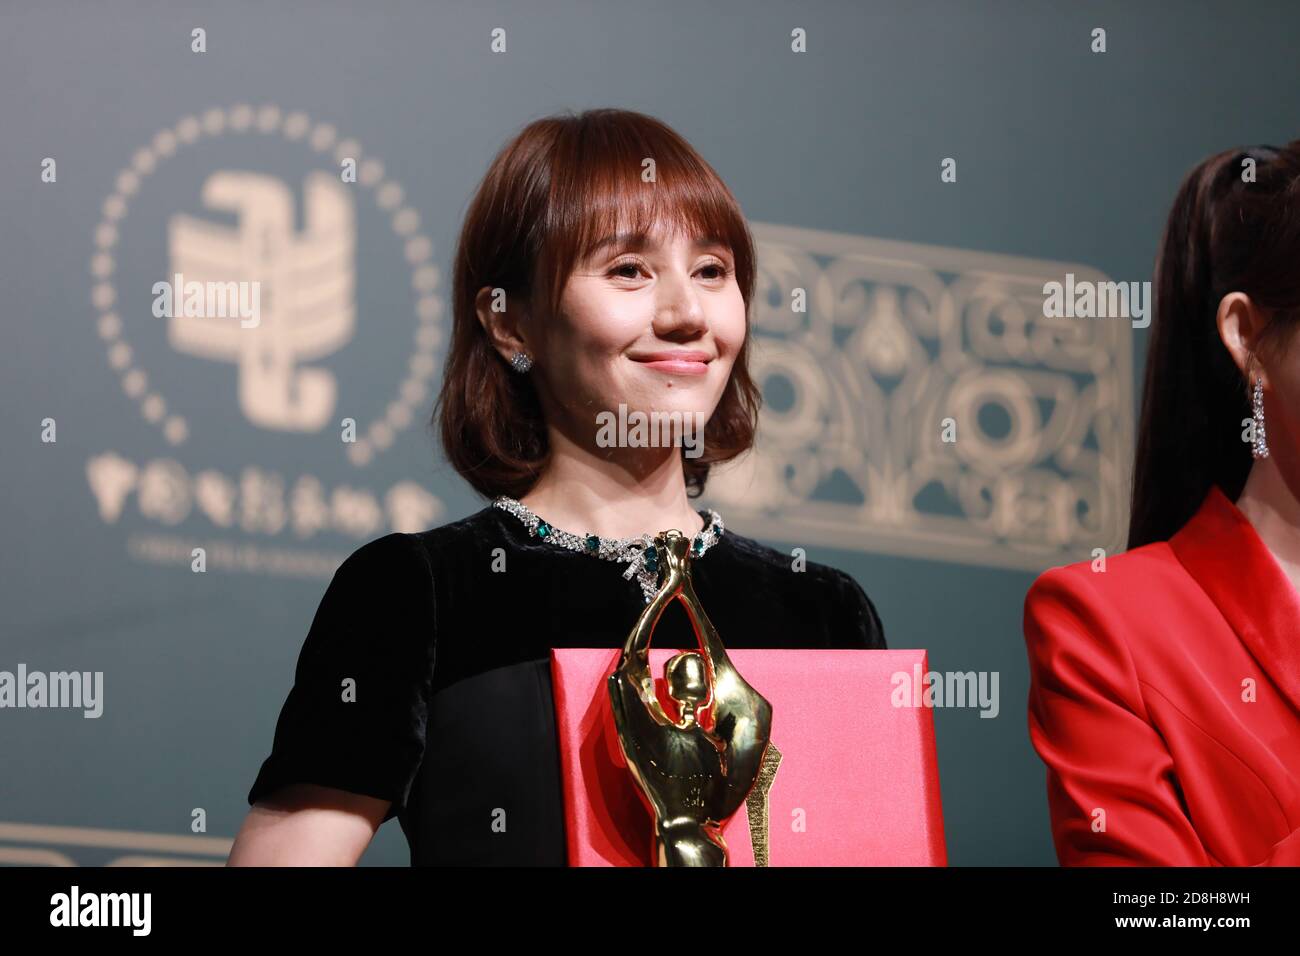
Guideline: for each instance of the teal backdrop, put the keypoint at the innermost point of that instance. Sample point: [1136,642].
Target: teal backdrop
[165,159]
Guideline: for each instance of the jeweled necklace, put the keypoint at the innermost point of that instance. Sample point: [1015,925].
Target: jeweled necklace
[638,550]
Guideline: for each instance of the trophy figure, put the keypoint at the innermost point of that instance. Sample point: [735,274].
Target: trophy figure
[696,771]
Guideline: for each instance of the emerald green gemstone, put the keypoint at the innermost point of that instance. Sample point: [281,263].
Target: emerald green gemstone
[543,529]
[593,543]
[651,559]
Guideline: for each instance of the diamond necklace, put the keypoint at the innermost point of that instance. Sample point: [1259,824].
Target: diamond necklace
[638,550]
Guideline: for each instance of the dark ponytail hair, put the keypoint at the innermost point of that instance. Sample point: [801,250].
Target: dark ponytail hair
[1223,235]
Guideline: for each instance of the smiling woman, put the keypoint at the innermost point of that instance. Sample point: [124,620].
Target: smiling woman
[603,269]
[635,251]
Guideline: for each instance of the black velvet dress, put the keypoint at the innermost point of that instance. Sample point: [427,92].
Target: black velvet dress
[453,719]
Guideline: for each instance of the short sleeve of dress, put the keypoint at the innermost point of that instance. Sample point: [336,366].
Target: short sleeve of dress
[355,717]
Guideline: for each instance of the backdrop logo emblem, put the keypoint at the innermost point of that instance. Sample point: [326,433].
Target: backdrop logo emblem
[306,282]
[311,310]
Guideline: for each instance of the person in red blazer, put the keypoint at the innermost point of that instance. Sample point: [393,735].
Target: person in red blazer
[1165,681]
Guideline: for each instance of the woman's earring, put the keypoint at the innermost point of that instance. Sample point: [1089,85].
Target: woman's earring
[1260,448]
[521,362]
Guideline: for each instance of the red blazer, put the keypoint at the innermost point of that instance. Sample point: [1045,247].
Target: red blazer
[1165,700]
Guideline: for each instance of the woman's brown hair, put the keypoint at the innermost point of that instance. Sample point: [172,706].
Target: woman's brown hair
[1225,234]
[552,193]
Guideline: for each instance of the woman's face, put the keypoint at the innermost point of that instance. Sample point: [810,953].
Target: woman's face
[654,325]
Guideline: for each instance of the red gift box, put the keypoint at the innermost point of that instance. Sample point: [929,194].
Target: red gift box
[857,783]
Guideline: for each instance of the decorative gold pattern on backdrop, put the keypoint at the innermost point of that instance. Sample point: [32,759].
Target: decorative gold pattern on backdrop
[896,337]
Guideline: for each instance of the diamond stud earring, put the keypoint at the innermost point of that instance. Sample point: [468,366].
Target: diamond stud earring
[521,362]
[1260,447]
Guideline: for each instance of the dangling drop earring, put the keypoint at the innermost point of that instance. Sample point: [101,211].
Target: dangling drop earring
[1260,447]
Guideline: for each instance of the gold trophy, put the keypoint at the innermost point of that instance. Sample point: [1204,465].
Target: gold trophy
[693,779]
